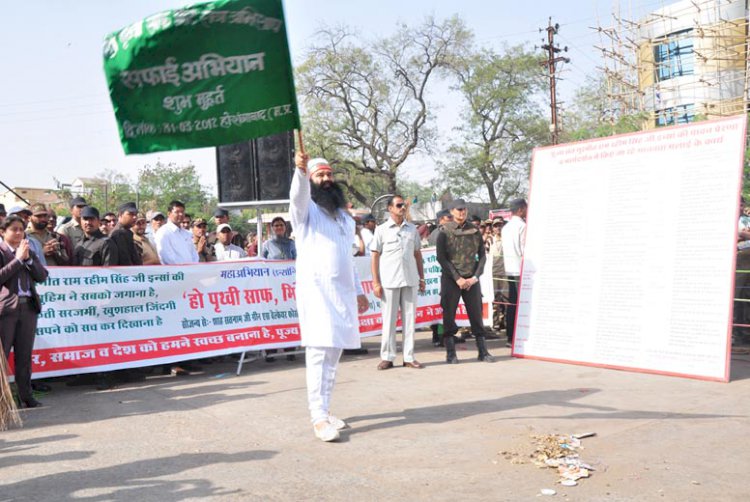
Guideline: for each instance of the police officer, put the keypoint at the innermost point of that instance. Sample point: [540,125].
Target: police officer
[461,254]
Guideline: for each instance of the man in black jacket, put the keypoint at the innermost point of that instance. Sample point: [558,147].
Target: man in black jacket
[95,250]
[122,236]
[461,254]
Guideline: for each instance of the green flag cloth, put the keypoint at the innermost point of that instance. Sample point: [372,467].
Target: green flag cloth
[209,74]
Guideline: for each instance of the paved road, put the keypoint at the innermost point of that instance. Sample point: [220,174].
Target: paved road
[432,434]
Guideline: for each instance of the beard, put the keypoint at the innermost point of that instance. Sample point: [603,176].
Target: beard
[329,196]
[39,225]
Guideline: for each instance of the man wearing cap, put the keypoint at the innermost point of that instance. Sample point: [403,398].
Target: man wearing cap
[369,223]
[64,241]
[205,250]
[107,222]
[122,236]
[175,244]
[155,219]
[25,214]
[397,274]
[221,217]
[54,252]
[279,247]
[442,217]
[72,229]
[148,253]
[329,292]
[224,248]
[514,240]
[460,252]
[95,250]
[499,282]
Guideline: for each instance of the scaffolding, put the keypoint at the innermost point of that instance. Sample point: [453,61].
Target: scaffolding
[642,62]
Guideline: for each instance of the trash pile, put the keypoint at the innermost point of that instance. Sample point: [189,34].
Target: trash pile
[561,453]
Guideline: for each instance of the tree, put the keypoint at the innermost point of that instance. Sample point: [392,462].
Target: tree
[366,106]
[160,184]
[501,123]
[115,190]
[592,117]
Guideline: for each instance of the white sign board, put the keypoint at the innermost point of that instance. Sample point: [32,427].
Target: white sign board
[641,276]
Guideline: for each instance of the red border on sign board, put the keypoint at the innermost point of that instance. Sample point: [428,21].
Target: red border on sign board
[734,254]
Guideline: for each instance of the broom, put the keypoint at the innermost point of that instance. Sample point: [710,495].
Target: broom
[9,415]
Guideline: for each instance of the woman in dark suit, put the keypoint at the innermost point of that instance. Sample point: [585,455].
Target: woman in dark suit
[20,269]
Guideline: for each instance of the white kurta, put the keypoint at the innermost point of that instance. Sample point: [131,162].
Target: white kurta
[327,280]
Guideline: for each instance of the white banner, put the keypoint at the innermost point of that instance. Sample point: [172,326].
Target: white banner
[98,319]
[639,273]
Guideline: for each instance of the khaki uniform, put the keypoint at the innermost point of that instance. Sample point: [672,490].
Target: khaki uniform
[147,250]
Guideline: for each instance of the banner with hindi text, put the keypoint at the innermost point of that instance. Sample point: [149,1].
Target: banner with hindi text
[105,318]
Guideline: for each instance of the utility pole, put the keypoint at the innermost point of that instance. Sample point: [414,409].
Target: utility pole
[551,64]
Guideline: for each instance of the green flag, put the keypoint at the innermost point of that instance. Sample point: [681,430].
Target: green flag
[205,75]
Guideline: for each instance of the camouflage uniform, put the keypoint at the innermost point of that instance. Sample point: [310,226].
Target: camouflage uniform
[461,254]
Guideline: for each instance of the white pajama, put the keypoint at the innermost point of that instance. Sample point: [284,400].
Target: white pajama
[320,365]
[404,298]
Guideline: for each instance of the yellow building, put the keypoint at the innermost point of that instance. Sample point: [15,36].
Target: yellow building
[693,61]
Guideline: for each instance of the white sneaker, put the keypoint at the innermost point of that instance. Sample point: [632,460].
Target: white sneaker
[325,431]
[337,423]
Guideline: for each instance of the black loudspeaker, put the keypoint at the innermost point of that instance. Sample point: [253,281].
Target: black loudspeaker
[256,170]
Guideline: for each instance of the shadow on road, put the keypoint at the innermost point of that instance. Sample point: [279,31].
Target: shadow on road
[562,398]
[137,481]
[154,395]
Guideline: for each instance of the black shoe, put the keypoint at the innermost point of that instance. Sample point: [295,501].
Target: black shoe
[483,355]
[40,387]
[460,339]
[270,359]
[450,350]
[31,403]
[291,357]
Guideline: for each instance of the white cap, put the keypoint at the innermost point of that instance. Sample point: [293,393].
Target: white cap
[317,164]
[222,227]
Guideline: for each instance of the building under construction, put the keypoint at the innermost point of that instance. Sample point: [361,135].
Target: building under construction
[685,60]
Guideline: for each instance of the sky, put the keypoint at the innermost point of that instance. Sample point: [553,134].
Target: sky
[57,122]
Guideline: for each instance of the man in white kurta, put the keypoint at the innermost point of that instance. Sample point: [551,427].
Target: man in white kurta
[397,272]
[329,294]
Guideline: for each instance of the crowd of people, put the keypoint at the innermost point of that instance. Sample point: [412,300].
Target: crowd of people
[89,239]
[322,226]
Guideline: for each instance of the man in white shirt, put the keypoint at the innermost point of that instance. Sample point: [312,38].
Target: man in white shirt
[224,248]
[329,292]
[397,272]
[173,243]
[368,231]
[514,240]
